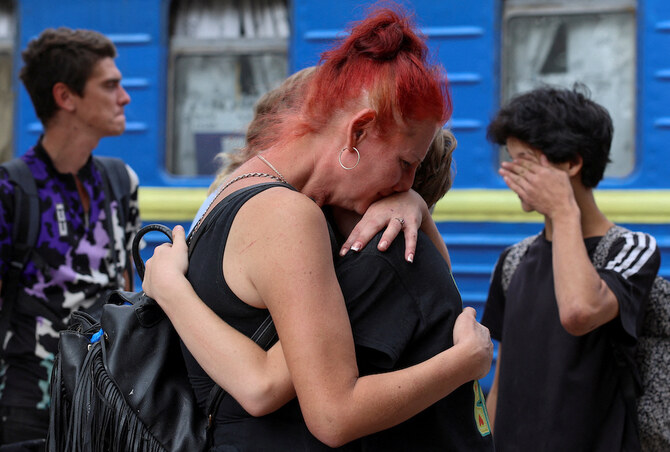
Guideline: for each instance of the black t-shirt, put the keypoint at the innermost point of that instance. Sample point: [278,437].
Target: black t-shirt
[559,392]
[401,314]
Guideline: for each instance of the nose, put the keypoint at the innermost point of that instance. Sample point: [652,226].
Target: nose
[124,97]
[406,181]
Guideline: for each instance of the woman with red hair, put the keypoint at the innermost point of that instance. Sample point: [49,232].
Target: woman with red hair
[371,110]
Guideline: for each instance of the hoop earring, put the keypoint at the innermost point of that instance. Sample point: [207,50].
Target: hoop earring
[358,158]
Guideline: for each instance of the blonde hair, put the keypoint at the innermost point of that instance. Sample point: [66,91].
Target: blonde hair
[434,177]
[286,96]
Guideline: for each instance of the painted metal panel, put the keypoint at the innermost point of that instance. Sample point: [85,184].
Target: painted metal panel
[654,94]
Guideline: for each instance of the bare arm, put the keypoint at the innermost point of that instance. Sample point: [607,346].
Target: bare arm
[585,302]
[429,227]
[258,380]
[289,260]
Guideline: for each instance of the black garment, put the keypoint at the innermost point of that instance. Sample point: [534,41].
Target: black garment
[18,424]
[235,429]
[559,392]
[73,263]
[401,313]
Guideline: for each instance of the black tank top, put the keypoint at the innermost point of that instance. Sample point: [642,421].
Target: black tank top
[234,428]
[205,273]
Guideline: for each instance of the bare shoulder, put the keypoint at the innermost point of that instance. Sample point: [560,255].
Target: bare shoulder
[278,246]
[278,225]
[284,210]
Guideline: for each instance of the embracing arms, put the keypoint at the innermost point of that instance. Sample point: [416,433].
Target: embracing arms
[285,270]
[257,379]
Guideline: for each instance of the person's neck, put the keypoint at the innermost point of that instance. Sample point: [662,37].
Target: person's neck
[298,164]
[593,222]
[69,151]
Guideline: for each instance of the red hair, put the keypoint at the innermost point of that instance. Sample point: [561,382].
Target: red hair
[386,57]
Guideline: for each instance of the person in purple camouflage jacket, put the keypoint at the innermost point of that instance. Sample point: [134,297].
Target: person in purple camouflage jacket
[76,90]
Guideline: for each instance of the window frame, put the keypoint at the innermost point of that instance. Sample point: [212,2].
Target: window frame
[513,9]
[180,46]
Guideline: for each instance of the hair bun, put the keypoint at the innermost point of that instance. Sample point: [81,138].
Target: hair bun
[383,62]
[384,36]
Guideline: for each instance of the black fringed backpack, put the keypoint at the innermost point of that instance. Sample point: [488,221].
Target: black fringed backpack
[121,385]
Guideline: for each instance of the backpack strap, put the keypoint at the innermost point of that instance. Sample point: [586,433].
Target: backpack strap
[117,176]
[513,258]
[25,230]
[115,185]
[631,382]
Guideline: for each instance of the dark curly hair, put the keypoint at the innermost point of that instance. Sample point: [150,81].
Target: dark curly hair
[61,55]
[562,124]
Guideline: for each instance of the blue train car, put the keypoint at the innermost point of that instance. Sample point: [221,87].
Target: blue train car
[194,69]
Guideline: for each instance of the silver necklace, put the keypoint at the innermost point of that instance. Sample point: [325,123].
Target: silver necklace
[262,159]
[228,184]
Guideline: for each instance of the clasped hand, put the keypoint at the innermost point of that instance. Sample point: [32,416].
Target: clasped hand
[165,271]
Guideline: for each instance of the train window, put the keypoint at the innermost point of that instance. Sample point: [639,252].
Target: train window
[589,42]
[223,56]
[6,91]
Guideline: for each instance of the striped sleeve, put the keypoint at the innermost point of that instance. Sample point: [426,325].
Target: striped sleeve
[638,248]
[632,264]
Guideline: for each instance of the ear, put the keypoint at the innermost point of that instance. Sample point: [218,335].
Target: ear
[63,97]
[575,166]
[359,126]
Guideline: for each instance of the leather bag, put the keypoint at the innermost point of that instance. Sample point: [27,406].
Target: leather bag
[121,384]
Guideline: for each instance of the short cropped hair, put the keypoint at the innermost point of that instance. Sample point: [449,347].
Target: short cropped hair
[61,55]
[562,124]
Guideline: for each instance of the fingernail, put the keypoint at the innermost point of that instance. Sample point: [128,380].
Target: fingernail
[356,246]
[410,258]
[383,244]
